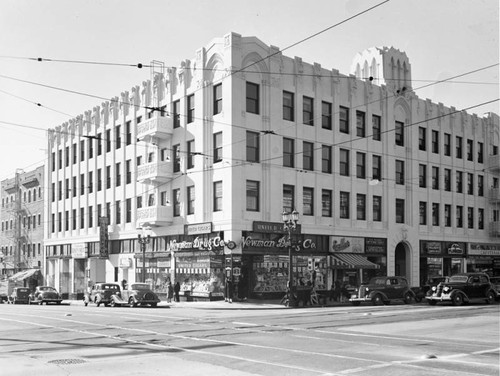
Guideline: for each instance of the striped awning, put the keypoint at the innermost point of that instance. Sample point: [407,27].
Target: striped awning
[25,274]
[351,261]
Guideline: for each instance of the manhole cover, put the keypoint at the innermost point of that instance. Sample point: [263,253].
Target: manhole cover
[67,361]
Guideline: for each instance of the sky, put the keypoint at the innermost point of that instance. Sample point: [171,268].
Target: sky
[442,39]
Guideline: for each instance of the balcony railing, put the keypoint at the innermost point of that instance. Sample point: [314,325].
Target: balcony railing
[494,162]
[494,194]
[495,229]
[155,172]
[154,215]
[158,126]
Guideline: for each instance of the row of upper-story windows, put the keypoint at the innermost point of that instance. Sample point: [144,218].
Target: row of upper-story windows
[449,215]
[29,195]
[447,180]
[28,221]
[28,250]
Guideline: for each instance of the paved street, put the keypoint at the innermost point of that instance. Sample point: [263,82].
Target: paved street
[218,338]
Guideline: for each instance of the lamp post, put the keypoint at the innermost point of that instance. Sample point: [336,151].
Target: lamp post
[144,239]
[290,224]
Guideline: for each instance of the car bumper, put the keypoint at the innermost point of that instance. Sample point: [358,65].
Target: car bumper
[354,298]
[441,298]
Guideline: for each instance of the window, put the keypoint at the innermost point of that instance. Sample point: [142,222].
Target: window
[82,150]
[360,165]
[377,208]
[435,214]
[460,183]
[177,113]
[423,212]
[470,217]
[252,98]
[53,163]
[343,120]
[288,152]
[326,203]
[480,219]
[73,224]
[400,210]
[118,212]
[344,162]
[308,201]
[376,128]
[128,131]
[90,182]
[480,152]
[326,115]
[480,185]
[288,198]
[435,177]
[253,147]
[118,174]
[190,199]
[218,147]
[447,179]
[307,111]
[164,201]
[82,218]
[177,202]
[108,140]
[138,202]
[460,218]
[361,206]
[470,184]
[66,156]
[344,205]
[66,190]
[422,138]
[400,133]
[190,108]
[447,144]
[90,145]
[376,167]
[82,184]
[326,159]
[218,196]
[128,210]
[435,142]
[400,172]
[118,137]
[447,215]
[59,222]
[217,99]
[59,159]
[54,192]
[176,151]
[470,150]
[253,195]
[190,154]
[458,151]
[99,144]
[108,177]
[360,124]
[91,217]
[128,172]
[308,156]
[288,106]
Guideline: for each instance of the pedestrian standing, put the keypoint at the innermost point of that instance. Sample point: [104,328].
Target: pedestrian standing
[229,290]
[170,292]
[177,289]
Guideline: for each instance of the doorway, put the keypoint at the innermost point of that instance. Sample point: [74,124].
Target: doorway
[401,260]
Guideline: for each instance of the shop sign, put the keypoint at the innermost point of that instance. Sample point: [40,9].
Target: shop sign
[198,243]
[376,245]
[248,242]
[125,263]
[198,228]
[455,249]
[163,263]
[431,248]
[79,250]
[272,228]
[346,244]
[481,249]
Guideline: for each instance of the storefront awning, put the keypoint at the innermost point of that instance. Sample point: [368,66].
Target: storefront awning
[351,261]
[20,276]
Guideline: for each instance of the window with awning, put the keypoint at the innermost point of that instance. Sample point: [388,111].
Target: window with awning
[351,261]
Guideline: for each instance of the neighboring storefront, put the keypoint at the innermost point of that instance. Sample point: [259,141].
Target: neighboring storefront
[441,259]
[482,257]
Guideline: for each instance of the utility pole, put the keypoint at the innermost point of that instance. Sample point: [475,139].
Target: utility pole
[17,221]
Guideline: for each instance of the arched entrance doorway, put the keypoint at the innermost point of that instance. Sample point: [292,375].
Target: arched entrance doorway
[402,260]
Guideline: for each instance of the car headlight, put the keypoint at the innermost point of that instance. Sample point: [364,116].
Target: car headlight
[446,289]
[367,289]
[434,288]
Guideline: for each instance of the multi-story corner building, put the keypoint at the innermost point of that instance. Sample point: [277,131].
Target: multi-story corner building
[21,218]
[210,154]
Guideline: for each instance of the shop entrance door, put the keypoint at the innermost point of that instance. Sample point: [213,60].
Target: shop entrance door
[400,260]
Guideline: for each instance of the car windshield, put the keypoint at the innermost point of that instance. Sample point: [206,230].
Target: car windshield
[110,287]
[140,286]
[46,288]
[377,281]
[458,278]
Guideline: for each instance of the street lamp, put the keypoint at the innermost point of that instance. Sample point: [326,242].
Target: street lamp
[290,224]
[144,239]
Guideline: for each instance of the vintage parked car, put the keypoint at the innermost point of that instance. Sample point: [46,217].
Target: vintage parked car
[495,281]
[463,288]
[382,290]
[45,294]
[424,290]
[137,294]
[19,295]
[102,293]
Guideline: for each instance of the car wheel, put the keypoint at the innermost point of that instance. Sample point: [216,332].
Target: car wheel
[112,303]
[408,298]
[457,299]
[132,303]
[418,299]
[377,299]
[490,297]
[432,302]
[356,303]
[40,302]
